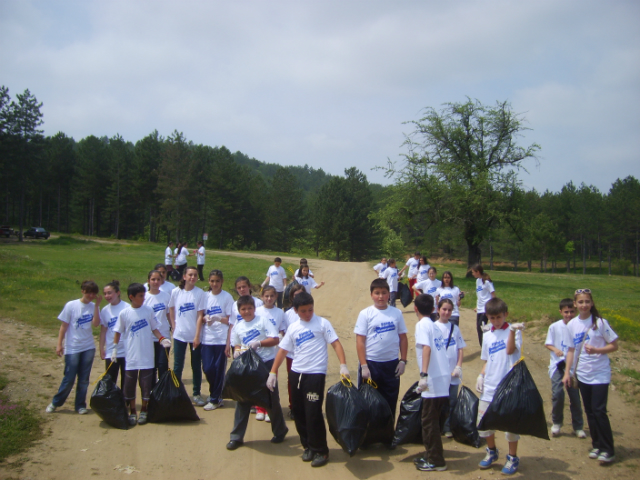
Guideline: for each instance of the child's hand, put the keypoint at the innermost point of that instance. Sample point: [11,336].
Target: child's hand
[59,350]
[114,354]
[98,300]
[344,371]
[166,343]
[516,326]
[480,383]
[559,353]
[103,354]
[590,349]
[423,385]
[457,372]
[236,353]
[255,344]
[400,369]
[272,381]
[365,373]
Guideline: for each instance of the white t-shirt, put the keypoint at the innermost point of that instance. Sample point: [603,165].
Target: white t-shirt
[456,344]
[308,283]
[160,305]
[79,336]
[187,304]
[382,329]
[167,256]
[235,313]
[429,286]
[135,326]
[222,306]
[494,351]
[483,291]
[165,287]
[452,294]
[200,256]
[413,264]
[181,259]
[108,319]
[274,315]
[297,273]
[592,369]
[308,341]
[380,268]
[391,276]
[258,329]
[423,273]
[277,276]
[559,337]
[439,374]
[290,317]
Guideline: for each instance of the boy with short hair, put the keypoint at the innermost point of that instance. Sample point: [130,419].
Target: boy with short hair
[380,333]
[558,341]
[381,267]
[307,339]
[501,347]
[391,276]
[276,277]
[435,378]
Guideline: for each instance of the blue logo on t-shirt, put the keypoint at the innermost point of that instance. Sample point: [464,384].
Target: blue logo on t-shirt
[478,289]
[431,290]
[385,327]
[303,337]
[446,295]
[86,318]
[578,337]
[439,343]
[139,325]
[187,307]
[497,346]
[274,273]
[250,335]
[112,323]
[215,310]
[272,321]
[158,307]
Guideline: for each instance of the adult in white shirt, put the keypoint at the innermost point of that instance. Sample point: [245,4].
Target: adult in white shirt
[200,254]
[277,277]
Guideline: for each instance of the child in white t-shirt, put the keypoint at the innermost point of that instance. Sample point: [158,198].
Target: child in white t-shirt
[592,340]
[423,270]
[484,292]
[158,301]
[558,342]
[168,256]
[303,262]
[200,254]
[381,267]
[306,280]
[243,288]
[391,276]
[259,334]
[435,378]
[290,317]
[429,286]
[501,349]
[307,339]
[77,317]
[380,335]
[277,277]
[453,293]
[108,319]
[137,324]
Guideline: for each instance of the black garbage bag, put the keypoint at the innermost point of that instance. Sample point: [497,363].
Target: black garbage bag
[404,293]
[380,416]
[516,406]
[170,402]
[246,380]
[107,400]
[347,415]
[175,275]
[409,424]
[463,418]
[286,303]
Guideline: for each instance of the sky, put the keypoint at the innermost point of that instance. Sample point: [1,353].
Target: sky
[331,84]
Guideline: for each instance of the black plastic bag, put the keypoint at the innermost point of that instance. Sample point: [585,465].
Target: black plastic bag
[516,406]
[380,416]
[246,381]
[409,425]
[170,401]
[175,275]
[347,415]
[404,293]
[464,417]
[286,303]
[107,400]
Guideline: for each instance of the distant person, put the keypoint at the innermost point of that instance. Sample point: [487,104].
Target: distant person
[200,254]
[303,262]
[423,270]
[391,277]
[168,257]
[306,280]
[181,258]
[412,264]
[453,293]
[381,267]
[158,301]
[429,286]
[277,277]
[485,291]
[108,319]
[79,347]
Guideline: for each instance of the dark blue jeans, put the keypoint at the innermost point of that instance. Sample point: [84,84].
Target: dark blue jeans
[214,366]
[75,365]
[179,352]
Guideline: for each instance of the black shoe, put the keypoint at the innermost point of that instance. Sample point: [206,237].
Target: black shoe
[291,415]
[279,438]
[418,460]
[425,466]
[319,460]
[234,444]
[307,456]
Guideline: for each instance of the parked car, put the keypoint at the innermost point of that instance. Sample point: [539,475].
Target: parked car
[36,232]
[6,230]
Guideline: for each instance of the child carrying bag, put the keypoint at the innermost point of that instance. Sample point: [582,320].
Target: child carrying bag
[347,415]
[246,381]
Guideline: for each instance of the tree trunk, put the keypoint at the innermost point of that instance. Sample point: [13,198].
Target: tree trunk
[574,261]
[515,263]
[529,264]
[40,212]
[474,256]
[553,266]
[609,259]
[490,255]
[584,257]
[599,255]
[20,215]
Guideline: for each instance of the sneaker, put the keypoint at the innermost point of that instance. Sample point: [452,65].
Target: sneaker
[133,419]
[594,453]
[448,434]
[511,466]
[142,419]
[555,430]
[253,410]
[580,434]
[307,455]
[319,460]
[426,466]
[606,457]
[199,401]
[266,418]
[51,408]
[212,406]
[279,438]
[83,411]
[490,457]
[290,415]
[260,416]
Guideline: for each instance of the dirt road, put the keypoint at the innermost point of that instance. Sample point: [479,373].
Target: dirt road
[81,447]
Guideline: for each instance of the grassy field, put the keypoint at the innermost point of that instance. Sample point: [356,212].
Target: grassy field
[19,424]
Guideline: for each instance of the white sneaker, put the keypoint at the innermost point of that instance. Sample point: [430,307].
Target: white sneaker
[448,434]
[581,434]
[555,430]
[82,411]
[199,401]
[51,408]
[266,418]
[260,416]
[212,406]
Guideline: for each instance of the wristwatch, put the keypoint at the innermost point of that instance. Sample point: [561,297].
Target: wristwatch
[403,361]
[423,375]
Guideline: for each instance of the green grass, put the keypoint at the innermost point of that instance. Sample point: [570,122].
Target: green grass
[629,372]
[19,425]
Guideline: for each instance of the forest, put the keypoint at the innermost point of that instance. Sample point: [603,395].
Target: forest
[456,194]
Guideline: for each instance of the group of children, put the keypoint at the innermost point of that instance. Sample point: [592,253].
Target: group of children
[135,343]
[179,257]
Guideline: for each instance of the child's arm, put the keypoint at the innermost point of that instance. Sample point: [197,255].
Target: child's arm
[511,342]
[64,326]
[361,350]
[609,348]
[426,358]
[404,347]
[95,321]
[171,316]
[557,351]
[199,324]
[480,380]
[102,342]
[273,379]
[460,357]
[319,285]
[165,342]
[337,346]
[227,349]
[569,363]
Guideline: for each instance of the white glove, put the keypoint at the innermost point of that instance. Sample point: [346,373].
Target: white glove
[516,326]
[114,353]
[457,372]
[365,373]
[165,342]
[211,319]
[480,383]
[344,370]
[255,344]
[423,385]
[400,369]
[237,353]
[272,381]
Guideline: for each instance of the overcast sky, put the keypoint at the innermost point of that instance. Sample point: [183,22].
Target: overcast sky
[330,83]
